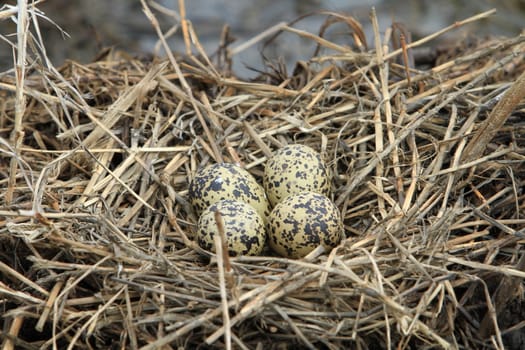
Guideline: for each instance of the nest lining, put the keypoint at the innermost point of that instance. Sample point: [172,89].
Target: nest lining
[428,171]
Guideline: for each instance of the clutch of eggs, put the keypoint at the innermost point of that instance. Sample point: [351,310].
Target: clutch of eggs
[296,182]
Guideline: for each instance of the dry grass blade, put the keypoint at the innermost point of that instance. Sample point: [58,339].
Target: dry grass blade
[17,134]
[496,119]
[223,266]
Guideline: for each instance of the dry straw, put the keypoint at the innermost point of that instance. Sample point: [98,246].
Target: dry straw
[429,168]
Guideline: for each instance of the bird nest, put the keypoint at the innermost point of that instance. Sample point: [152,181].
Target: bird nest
[426,146]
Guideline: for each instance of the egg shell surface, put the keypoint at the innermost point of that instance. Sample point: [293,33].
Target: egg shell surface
[303,221]
[294,169]
[244,228]
[226,181]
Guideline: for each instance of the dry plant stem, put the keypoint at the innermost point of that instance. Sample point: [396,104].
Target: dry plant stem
[17,136]
[269,32]
[507,290]
[405,58]
[184,25]
[389,303]
[220,253]
[19,295]
[492,315]
[251,110]
[184,83]
[379,283]
[385,99]
[16,325]
[103,127]
[321,41]
[206,317]
[269,296]
[123,103]
[418,119]
[296,329]
[47,307]
[255,136]
[419,42]
[514,95]
[7,270]
[91,322]
[132,334]
[444,151]
[481,266]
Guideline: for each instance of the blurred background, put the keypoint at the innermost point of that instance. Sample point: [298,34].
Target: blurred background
[96,24]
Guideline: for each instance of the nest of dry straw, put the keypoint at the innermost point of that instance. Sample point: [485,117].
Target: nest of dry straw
[428,161]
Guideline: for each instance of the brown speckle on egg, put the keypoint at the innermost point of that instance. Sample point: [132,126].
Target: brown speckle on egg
[243,227]
[226,181]
[295,169]
[303,221]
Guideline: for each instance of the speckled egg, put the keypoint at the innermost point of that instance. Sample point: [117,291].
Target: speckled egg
[243,227]
[295,169]
[226,181]
[303,221]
